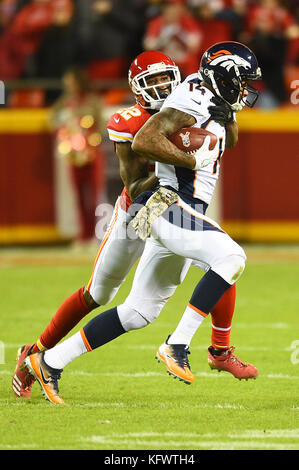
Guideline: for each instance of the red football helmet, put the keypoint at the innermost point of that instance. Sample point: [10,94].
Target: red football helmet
[149,64]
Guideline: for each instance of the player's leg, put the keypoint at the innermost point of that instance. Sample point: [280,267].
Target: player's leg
[190,320]
[221,315]
[220,354]
[157,276]
[203,240]
[116,256]
[209,244]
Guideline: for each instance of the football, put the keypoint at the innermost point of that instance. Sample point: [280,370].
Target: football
[190,139]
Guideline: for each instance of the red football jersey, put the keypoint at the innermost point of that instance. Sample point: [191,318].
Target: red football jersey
[122,127]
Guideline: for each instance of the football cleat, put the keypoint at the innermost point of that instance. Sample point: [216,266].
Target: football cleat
[22,380]
[228,362]
[46,376]
[175,357]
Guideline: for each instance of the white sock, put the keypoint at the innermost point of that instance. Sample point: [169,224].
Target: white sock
[65,352]
[187,327]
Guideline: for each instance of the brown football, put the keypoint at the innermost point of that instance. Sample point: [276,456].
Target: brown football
[190,139]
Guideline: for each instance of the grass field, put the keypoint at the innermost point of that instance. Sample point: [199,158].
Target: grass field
[119,397]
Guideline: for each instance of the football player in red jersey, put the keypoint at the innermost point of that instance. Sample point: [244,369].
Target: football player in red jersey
[152,77]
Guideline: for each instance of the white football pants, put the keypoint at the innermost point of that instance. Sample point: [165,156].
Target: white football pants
[116,256]
[167,257]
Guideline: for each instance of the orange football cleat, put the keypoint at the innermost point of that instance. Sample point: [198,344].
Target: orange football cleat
[46,376]
[175,357]
[228,362]
[22,380]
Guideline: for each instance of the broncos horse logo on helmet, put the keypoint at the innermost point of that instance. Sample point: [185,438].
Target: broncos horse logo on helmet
[228,67]
[228,60]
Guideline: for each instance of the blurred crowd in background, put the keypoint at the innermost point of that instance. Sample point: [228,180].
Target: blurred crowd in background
[42,39]
[72,56]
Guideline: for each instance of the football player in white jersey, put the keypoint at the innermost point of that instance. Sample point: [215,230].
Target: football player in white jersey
[225,72]
[152,77]
[172,245]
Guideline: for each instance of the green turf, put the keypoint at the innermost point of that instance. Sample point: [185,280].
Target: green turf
[119,397]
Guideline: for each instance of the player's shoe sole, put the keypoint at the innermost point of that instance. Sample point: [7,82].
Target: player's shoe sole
[46,377]
[22,380]
[228,362]
[176,361]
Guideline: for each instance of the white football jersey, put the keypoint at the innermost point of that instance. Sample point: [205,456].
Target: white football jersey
[194,99]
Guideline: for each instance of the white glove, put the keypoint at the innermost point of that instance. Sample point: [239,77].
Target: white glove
[204,156]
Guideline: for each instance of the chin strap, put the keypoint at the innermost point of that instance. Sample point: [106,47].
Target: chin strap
[237,107]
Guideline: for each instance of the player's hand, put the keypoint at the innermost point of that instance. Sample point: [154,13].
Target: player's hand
[204,156]
[221,112]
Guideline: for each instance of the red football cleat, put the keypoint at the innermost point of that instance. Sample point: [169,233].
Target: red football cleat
[22,380]
[228,362]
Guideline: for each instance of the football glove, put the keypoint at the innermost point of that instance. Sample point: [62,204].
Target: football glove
[221,111]
[204,156]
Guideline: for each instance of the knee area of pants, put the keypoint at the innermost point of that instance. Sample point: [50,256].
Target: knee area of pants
[89,300]
[238,263]
[130,318]
[102,298]
[104,293]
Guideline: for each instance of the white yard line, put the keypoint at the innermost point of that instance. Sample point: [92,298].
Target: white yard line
[193,441]
[18,446]
[209,375]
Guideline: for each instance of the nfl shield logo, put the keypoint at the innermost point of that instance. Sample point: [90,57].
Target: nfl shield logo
[185,139]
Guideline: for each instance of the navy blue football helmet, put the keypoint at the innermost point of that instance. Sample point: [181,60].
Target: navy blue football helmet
[228,67]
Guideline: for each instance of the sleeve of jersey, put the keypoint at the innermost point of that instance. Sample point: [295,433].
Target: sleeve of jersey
[118,129]
[181,99]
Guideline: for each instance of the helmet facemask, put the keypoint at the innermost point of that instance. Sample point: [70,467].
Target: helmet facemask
[234,91]
[153,96]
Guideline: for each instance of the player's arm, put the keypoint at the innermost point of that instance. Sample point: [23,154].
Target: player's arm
[134,170]
[151,140]
[222,113]
[231,134]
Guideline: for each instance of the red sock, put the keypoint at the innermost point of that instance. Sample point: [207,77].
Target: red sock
[222,315]
[70,312]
